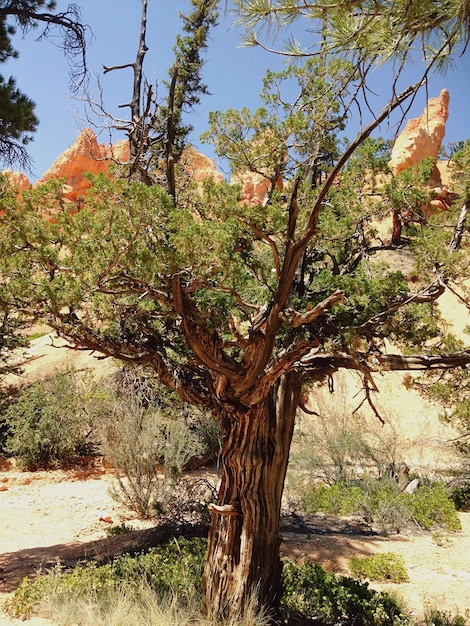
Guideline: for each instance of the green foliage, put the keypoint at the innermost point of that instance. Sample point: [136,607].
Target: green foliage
[121,529]
[177,567]
[11,324]
[337,499]
[17,122]
[221,298]
[393,33]
[438,617]
[432,505]
[441,539]
[173,567]
[452,391]
[49,424]
[386,567]
[286,133]
[415,324]
[187,69]
[382,503]
[311,592]
[460,168]
[8,395]
[17,118]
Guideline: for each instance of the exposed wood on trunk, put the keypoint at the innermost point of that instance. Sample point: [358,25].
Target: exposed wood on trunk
[243,552]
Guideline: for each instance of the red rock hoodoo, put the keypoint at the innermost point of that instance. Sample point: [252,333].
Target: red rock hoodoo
[85,155]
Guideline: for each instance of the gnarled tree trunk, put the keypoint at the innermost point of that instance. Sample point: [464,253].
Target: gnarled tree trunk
[243,552]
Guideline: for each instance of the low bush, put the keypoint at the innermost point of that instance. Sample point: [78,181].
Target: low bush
[386,567]
[381,503]
[461,497]
[173,567]
[49,425]
[384,505]
[311,592]
[338,499]
[437,617]
[141,432]
[120,529]
[431,505]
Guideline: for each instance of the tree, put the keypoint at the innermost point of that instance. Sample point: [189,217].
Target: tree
[371,34]
[17,118]
[235,306]
[156,131]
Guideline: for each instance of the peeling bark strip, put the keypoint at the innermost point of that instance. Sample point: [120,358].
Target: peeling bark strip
[243,551]
[225,509]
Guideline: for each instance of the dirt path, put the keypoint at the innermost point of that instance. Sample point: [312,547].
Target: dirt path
[46,515]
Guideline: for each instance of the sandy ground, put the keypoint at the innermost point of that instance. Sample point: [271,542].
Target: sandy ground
[45,515]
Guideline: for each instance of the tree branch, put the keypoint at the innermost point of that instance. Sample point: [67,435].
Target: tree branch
[314,215]
[206,346]
[318,366]
[431,294]
[295,319]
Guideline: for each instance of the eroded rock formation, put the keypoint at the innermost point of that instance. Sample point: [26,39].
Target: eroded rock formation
[85,155]
[422,137]
[254,186]
[18,180]
[200,167]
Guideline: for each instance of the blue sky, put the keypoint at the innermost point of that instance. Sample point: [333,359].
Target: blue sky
[233,74]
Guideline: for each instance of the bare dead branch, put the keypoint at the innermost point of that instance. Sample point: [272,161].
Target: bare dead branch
[459,229]
[322,364]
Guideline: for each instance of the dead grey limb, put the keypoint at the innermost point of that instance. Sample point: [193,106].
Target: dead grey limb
[459,229]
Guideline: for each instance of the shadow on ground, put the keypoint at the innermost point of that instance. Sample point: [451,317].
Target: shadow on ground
[14,566]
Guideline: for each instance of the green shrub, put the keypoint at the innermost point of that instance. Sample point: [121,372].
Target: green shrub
[311,592]
[174,567]
[436,617]
[8,395]
[387,567]
[121,529]
[440,539]
[381,503]
[138,605]
[432,506]
[49,424]
[338,499]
